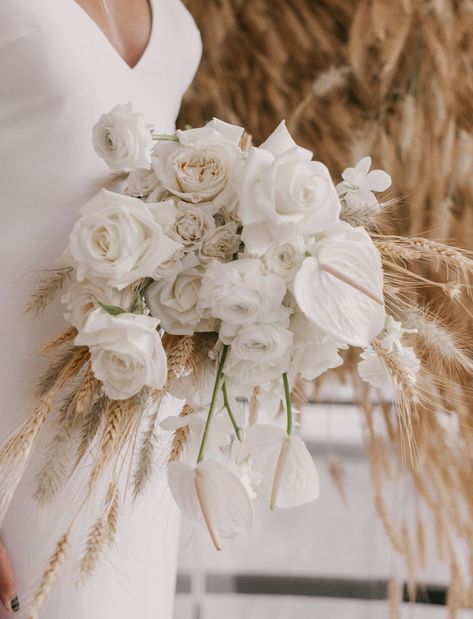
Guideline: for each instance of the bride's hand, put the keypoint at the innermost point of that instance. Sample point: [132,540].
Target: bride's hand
[8,594]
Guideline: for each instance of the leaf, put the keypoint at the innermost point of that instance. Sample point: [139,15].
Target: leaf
[114,310]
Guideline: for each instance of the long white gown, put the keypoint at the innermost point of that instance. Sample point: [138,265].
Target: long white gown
[58,73]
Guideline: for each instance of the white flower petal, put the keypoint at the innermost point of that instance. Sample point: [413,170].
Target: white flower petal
[373,371]
[337,307]
[228,503]
[299,481]
[281,141]
[363,166]
[378,180]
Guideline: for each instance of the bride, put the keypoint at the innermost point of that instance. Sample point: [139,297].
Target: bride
[62,64]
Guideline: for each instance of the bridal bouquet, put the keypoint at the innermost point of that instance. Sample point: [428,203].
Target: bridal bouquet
[225,275]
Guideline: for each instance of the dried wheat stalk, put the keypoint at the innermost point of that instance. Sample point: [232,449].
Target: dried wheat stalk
[47,291]
[180,437]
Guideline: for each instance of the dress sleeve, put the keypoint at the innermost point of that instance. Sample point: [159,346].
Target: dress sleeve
[15,21]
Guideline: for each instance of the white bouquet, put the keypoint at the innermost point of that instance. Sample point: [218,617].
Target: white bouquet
[223,276]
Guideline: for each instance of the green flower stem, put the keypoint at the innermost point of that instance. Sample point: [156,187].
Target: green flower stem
[226,401]
[164,137]
[287,395]
[213,402]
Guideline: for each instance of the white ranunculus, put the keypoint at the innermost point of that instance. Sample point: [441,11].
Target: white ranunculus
[192,225]
[284,259]
[120,239]
[80,298]
[122,139]
[336,286]
[176,302]
[221,243]
[200,166]
[259,353]
[296,482]
[282,193]
[212,494]
[141,182]
[126,352]
[240,293]
[315,352]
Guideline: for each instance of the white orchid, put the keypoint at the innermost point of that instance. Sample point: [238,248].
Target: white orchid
[359,183]
[213,495]
[373,370]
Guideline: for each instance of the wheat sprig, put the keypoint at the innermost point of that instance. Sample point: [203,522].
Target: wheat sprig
[180,436]
[47,290]
[58,340]
[50,573]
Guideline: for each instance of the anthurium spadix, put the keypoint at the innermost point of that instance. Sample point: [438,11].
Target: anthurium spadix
[339,286]
[213,495]
[289,475]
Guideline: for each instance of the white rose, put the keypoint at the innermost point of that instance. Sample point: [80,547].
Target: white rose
[259,353]
[121,239]
[81,298]
[284,259]
[126,352]
[141,183]
[122,139]
[176,302]
[282,193]
[240,293]
[315,352]
[192,224]
[221,243]
[199,167]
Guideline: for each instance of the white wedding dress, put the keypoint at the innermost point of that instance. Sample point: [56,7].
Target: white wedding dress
[58,73]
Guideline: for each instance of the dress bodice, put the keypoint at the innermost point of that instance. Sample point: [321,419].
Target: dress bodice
[58,74]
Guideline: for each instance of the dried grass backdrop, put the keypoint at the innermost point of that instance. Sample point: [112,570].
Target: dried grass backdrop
[393,79]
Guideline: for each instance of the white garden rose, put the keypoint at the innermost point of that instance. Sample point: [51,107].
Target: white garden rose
[141,183]
[192,225]
[200,166]
[126,352]
[120,239]
[221,243]
[122,139]
[284,259]
[176,302]
[240,293]
[283,193]
[81,298]
[259,353]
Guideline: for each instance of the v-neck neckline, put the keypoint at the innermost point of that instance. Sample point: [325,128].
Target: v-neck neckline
[114,51]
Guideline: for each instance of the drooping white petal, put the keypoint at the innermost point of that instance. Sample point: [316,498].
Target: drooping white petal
[280,141]
[298,481]
[223,497]
[344,309]
[373,371]
[378,180]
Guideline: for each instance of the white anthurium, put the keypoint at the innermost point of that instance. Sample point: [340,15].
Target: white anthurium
[340,286]
[282,193]
[314,351]
[211,494]
[359,184]
[290,477]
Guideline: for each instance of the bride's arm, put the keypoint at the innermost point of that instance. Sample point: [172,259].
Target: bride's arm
[8,594]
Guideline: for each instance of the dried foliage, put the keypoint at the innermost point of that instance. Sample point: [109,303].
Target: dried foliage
[393,80]
[47,290]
